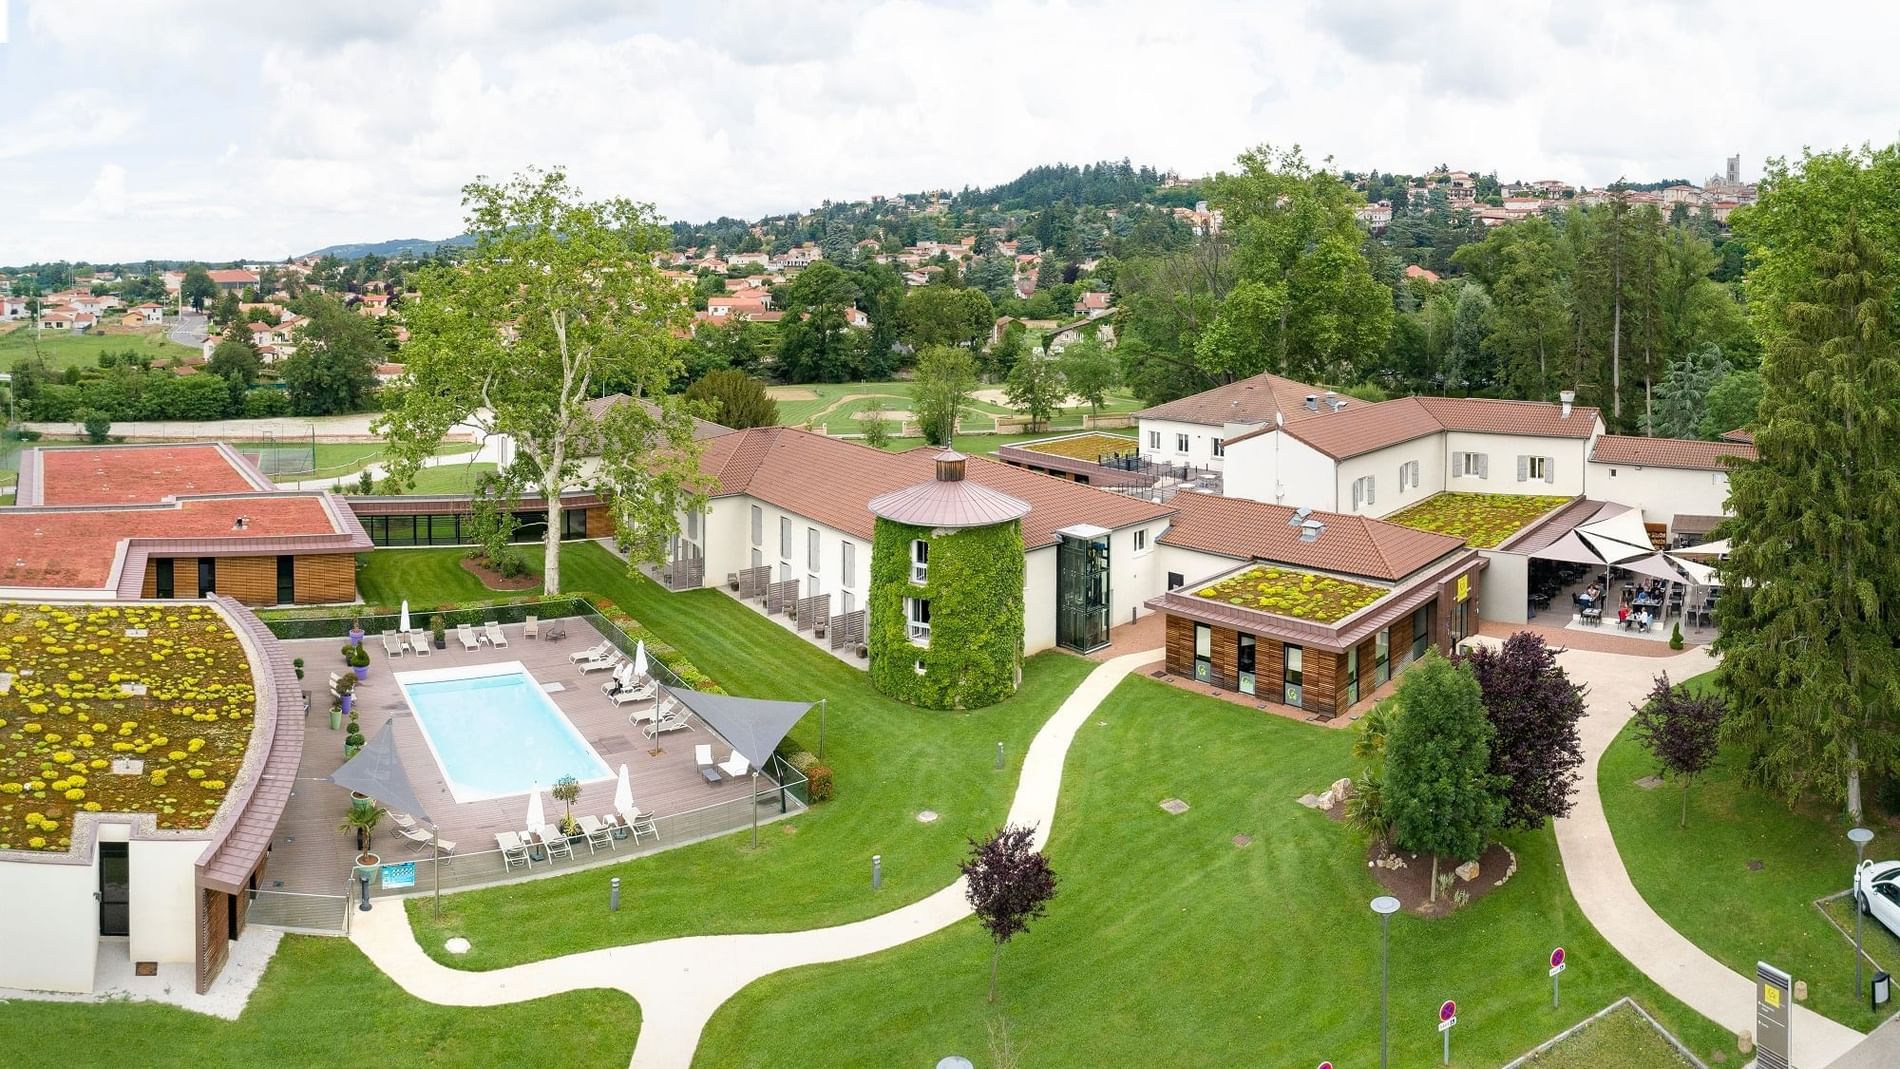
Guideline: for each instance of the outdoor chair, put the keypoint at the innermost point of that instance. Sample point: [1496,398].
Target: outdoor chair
[555,843]
[611,660]
[530,629]
[735,766]
[403,821]
[513,850]
[591,653]
[495,636]
[671,720]
[419,641]
[653,712]
[621,677]
[598,835]
[556,631]
[702,756]
[639,692]
[420,837]
[638,822]
[391,644]
[467,634]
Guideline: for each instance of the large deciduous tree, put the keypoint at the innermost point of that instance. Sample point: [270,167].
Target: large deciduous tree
[734,399]
[197,288]
[334,367]
[1682,731]
[945,379]
[1440,793]
[1008,883]
[1036,389]
[1809,624]
[1534,709]
[1091,371]
[557,295]
[946,315]
[816,344]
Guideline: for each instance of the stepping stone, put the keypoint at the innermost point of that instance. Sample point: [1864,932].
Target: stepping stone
[1310,800]
[1242,840]
[1175,806]
[928,816]
[1650,783]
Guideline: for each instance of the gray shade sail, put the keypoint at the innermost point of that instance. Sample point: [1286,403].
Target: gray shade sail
[754,726]
[376,770]
[1656,566]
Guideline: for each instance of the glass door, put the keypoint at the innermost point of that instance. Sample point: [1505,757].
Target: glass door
[1245,665]
[286,579]
[1352,676]
[1382,657]
[115,889]
[1203,653]
[162,577]
[1295,674]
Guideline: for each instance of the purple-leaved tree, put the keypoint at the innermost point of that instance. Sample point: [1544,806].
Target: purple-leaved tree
[1009,884]
[1682,731]
[1535,708]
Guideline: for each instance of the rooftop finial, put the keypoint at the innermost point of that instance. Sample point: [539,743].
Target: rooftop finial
[950,466]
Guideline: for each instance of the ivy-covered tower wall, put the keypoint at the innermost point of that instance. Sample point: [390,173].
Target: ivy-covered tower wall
[974,584]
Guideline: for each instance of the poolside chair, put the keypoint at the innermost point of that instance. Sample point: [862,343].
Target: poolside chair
[702,756]
[735,766]
[403,821]
[611,660]
[654,711]
[555,843]
[638,694]
[391,644]
[638,822]
[495,636]
[467,634]
[531,628]
[622,675]
[591,653]
[421,837]
[513,850]
[671,719]
[419,641]
[598,834]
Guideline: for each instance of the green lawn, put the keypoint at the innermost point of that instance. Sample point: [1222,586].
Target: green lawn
[980,444]
[430,577]
[448,478]
[1622,1040]
[838,414]
[322,1003]
[891,761]
[794,412]
[1699,878]
[61,351]
[1166,936]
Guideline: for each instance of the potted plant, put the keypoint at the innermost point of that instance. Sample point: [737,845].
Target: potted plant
[732,582]
[336,714]
[359,662]
[863,651]
[346,692]
[441,629]
[353,741]
[567,790]
[363,822]
[356,633]
[297,663]
[359,800]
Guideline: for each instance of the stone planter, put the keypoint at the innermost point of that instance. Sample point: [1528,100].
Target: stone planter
[366,865]
[336,719]
[360,802]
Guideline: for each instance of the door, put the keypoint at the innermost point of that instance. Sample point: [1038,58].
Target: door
[1203,653]
[1382,657]
[286,579]
[1294,664]
[207,575]
[1244,662]
[115,889]
[162,577]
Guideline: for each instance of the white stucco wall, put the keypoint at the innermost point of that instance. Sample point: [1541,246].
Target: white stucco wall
[1192,565]
[164,900]
[1201,437]
[1281,470]
[1568,457]
[49,928]
[1383,466]
[1661,493]
[728,547]
[1134,576]
[1039,600]
[1504,591]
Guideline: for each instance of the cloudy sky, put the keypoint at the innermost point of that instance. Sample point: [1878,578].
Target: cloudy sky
[193,128]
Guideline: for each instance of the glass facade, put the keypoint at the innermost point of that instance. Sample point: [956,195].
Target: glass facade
[1082,593]
[455,529]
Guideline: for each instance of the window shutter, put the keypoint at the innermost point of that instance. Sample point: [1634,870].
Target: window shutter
[1357,493]
[1414,474]
[1402,468]
[1457,465]
[1369,498]
[1523,468]
[1550,469]
[1484,465]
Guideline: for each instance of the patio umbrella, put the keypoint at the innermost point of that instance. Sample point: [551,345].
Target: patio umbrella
[1611,549]
[403,626]
[640,659]
[535,817]
[623,793]
[1698,573]
[1717,548]
[1655,566]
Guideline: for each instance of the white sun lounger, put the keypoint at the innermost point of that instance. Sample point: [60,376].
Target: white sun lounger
[531,629]
[467,634]
[598,834]
[495,636]
[422,838]
[611,660]
[591,653]
[735,766]
[671,718]
[391,644]
[513,850]
[554,842]
[419,641]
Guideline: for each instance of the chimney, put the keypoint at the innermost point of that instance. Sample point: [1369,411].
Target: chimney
[1568,397]
[950,466]
[1312,402]
[1310,530]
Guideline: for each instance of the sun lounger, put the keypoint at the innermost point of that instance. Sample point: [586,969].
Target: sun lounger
[513,850]
[495,636]
[531,629]
[554,842]
[421,837]
[391,644]
[467,634]
[591,653]
[621,676]
[637,822]
[403,821]
[631,695]
[598,834]
[610,661]
[419,641]
[672,719]
[735,766]
[645,713]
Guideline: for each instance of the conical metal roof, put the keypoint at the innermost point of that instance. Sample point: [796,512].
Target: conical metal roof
[949,500]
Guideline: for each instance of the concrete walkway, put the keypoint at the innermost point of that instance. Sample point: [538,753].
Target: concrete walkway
[679,983]
[1610,901]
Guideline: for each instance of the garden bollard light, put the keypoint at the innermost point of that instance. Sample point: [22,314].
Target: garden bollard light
[613,895]
[877,871]
[999,755]
[363,879]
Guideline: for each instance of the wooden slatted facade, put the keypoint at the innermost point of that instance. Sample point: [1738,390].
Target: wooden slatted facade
[319,578]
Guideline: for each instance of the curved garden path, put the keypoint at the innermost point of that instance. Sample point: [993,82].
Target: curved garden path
[679,983]
[1602,887]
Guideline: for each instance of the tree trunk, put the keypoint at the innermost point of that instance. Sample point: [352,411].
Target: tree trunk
[1853,782]
[1431,893]
[1684,821]
[551,543]
[1616,351]
[996,955]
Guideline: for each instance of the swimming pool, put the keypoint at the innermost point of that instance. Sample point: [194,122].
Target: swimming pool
[494,732]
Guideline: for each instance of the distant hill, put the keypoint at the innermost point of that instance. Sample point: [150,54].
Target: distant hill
[358,250]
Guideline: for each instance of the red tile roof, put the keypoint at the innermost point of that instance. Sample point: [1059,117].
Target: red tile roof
[1353,545]
[832,481]
[141,474]
[1362,428]
[1250,400]
[76,548]
[241,277]
[1668,452]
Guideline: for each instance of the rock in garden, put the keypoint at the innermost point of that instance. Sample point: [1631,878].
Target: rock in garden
[1745,1041]
[1342,788]
[1467,871]
[1310,800]
[1800,990]
[1326,800]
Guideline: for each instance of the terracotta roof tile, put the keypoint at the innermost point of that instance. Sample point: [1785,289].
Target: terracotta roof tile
[144,474]
[1353,545]
[76,548]
[1250,400]
[1668,452]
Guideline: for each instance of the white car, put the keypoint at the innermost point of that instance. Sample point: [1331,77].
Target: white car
[1877,892]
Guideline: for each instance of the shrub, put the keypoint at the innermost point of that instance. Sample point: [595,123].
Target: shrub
[98,426]
[1675,636]
[803,761]
[820,788]
[263,402]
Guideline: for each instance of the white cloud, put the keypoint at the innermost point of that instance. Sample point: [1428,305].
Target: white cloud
[295,126]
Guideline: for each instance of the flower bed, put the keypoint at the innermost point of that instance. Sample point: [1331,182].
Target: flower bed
[1301,595]
[68,716]
[1482,520]
[1084,446]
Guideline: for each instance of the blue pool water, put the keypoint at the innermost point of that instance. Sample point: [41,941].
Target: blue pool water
[497,735]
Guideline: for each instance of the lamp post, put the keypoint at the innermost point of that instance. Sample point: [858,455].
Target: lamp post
[1384,906]
[1860,837]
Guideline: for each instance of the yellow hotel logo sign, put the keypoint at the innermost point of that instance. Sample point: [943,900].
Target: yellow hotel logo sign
[1464,587]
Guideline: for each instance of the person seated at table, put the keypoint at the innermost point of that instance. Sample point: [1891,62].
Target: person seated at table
[1642,619]
[1623,617]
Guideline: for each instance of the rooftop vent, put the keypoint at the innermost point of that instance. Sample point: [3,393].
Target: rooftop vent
[1310,529]
[1568,397]
[1299,516]
[240,523]
[950,466]
[1312,402]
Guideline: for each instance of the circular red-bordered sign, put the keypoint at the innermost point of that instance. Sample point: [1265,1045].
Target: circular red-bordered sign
[1557,958]
[1448,1010]
[1326,1065]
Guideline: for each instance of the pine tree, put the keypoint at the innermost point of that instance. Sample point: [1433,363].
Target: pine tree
[1808,622]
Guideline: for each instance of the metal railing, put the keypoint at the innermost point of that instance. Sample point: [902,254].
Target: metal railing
[293,624]
[300,910]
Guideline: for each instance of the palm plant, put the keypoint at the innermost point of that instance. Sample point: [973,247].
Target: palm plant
[363,822]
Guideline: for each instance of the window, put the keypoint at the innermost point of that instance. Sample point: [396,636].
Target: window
[811,549]
[784,538]
[1295,674]
[848,562]
[1470,465]
[1180,443]
[1382,657]
[162,578]
[1612,473]
[1536,469]
[1362,494]
[692,525]
[286,579]
[758,526]
[758,557]
[1352,676]
[1154,439]
[917,620]
[1244,662]
[846,603]
[1141,540]
[811,586]
[1203,653]
[1421,630]
[1220,447]
[207,575]
[1460,620]
[919,560]
[1413,466]
[1176,580]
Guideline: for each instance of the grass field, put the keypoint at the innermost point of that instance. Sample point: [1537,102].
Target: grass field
[891,761]
[1704,881]
[1169,944]
[836,405]
[430,577]
[1621,1040]
[978,444]
[61,351]
[347,458]
[322,1003]
[448,478]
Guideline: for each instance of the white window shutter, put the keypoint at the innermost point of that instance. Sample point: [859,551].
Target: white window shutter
[1414,474]
[1550,469]
[1523,468]
[1457,465]
[1402,468]
[1357,493]
[1484,465]
[1369,498]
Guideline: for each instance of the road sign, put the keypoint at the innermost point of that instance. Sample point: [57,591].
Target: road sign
[1326,1065]
[1448,1012]
[1447,1017]
[1445,1025]
[1774,1024]
[1557,961]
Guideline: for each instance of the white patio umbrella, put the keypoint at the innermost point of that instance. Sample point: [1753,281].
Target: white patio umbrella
[1698,573]
[535,816]
[640,659]
[1717,548]
[623,793]
[403,626]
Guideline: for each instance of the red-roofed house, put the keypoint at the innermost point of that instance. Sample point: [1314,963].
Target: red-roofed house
[234,279]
